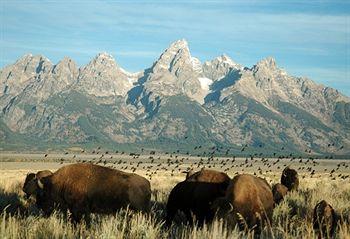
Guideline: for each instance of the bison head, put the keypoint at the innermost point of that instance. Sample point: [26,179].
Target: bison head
[30,185]
[290,179]
[44,199]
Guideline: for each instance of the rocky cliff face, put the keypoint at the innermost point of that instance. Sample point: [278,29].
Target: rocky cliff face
[102,77]
[218,102]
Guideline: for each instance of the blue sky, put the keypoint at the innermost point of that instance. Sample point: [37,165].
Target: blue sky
[307,38]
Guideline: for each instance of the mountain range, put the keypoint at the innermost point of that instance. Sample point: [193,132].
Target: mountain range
[177,103]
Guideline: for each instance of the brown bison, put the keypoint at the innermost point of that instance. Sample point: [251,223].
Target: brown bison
[248,202]
[325,220]
[290,179]
[30,183]
[279,191]
[85,188]
[207,175]
[194,199]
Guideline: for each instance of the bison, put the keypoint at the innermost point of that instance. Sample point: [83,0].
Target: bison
[194,198]
[248,203]
[290,179]
[84,188]
[279,191]
[207,175]
[30,183]
[325,220]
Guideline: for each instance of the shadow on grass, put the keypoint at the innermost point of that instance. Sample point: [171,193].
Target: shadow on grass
[13,203]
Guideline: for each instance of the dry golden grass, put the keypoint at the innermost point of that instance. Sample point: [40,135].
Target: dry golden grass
[291,219]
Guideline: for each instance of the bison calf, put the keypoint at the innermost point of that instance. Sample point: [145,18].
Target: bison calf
[85,188]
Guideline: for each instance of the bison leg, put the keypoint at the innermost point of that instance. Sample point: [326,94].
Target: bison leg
[202,218]
[76,216]
[170,213]
[87,219]
[139,199]
[189,216]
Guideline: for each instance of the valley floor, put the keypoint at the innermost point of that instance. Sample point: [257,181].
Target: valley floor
[319,179]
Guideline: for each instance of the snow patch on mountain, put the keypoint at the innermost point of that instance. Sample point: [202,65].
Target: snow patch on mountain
[205,83]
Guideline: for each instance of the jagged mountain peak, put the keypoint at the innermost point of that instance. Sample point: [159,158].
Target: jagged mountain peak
[179,44]
[219,67]
[101,102]
[64,65]
[177,52]
[175,72]
[104,55]
[226,60]
[65,60]
[25,69]
[102,77]
[175,48]
[24,58]
[102,59]
[30,57]
[29,60]
[268,62]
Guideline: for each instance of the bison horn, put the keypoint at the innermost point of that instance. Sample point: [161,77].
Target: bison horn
[231,207]
[40,184]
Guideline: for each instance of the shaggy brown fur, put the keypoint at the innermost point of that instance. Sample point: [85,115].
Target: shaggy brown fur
[30,183]
[85,188]
[290,179]
[248,202]
[325,220]
[207,175]
[279,191]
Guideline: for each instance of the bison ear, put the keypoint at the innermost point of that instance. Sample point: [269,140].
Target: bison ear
[31,176]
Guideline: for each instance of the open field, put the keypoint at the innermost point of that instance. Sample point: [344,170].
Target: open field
[319,179]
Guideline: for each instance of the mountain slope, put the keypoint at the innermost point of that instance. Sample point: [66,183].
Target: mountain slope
[178,102]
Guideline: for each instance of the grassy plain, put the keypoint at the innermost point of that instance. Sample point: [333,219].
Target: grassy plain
[292,218]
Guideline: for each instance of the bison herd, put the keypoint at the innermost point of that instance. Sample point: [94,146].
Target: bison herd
[245,201]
